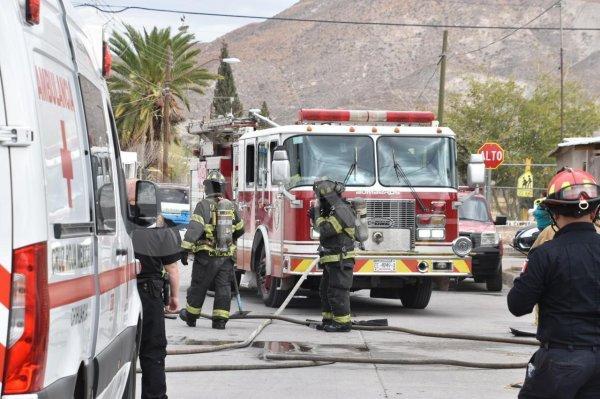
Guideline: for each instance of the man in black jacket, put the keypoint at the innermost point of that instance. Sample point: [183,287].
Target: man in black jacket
[158,248]
[562,276]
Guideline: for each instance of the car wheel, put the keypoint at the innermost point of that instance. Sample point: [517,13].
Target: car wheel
[494,284]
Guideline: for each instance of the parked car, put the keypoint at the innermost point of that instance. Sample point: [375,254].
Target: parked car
[175,203]
[525,237]
[475,222]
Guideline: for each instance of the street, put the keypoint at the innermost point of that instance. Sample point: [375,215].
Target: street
[468,308]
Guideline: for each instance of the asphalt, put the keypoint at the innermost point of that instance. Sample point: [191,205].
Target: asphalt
[466,308]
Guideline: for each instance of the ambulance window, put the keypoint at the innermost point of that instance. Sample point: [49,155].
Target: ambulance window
[263,158]
[101,154]
[250,165]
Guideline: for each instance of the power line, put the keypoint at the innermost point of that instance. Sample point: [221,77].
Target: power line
[112,9]
[511,33]
[427,83]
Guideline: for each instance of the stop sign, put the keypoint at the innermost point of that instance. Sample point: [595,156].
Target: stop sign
[493,155]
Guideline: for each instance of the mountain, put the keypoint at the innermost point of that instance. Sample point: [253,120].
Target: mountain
[291,65]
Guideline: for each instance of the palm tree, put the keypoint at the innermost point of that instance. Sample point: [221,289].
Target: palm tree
[138,81]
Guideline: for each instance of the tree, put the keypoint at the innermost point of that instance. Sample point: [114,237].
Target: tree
[226,100]
[137,84]
[526,125]
[264,111]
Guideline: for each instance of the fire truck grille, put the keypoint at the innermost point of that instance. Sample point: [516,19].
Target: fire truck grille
[392,214]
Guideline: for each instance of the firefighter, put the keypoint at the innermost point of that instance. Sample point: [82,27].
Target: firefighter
[562,278]
[334,219]
[213,230]
[158,248]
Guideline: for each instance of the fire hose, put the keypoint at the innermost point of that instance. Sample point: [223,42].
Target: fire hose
[308,360]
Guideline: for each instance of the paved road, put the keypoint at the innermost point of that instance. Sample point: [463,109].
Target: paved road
[466,309]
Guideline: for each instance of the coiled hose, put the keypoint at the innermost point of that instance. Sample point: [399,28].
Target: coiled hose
[309,360]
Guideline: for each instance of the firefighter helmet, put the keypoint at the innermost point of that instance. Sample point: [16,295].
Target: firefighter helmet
[572,192]
[214,184]
[325,187]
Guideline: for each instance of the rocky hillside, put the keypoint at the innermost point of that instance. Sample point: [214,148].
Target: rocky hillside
[301,64]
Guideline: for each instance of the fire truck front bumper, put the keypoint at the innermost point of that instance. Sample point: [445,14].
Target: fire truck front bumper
[402,265]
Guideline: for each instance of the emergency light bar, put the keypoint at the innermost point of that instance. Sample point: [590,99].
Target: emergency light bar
[339,115]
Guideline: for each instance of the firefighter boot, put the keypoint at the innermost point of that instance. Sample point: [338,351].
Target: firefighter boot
[219,324]
[324,322]
[190,319]
[337,327]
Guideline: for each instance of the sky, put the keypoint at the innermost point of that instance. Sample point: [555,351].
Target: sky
[206,28]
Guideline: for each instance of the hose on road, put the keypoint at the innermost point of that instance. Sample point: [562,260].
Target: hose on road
[379,360]
[244,367]
[248,341]
[319,360]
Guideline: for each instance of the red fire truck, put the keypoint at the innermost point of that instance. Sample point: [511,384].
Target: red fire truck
[402,163]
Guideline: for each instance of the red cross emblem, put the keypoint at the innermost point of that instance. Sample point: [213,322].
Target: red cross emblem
[67,163]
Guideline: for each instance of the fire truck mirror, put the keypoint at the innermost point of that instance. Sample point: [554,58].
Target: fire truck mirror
[280,167]
[476,171]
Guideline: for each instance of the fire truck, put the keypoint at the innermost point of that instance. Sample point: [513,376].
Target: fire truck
[403,164]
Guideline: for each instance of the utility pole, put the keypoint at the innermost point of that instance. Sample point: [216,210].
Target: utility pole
[442,91]
[562,76]
[166,116]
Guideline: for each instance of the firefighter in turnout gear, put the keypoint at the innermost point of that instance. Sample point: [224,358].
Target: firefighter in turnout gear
[334,219]
[561,276]
[213,230]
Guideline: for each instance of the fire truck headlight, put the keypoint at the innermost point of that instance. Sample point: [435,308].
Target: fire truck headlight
[462,246]
[431,234]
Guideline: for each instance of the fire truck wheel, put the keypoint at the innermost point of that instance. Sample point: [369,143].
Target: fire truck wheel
[417,296]
[267,286]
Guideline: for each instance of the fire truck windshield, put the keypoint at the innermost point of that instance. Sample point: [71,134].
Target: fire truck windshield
[313,156]
[426,161]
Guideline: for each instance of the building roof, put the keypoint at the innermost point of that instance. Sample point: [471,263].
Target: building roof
[574,142]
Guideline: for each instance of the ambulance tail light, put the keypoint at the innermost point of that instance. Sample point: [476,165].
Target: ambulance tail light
[29,321]
[32,12]
[339,115]
[106,60]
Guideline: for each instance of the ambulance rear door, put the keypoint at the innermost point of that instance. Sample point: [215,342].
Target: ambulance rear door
[5,235]
[68,199]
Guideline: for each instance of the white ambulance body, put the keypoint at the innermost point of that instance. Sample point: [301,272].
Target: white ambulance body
[69,308]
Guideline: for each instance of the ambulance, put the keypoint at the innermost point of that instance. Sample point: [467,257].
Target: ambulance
[402,164]
[69,308]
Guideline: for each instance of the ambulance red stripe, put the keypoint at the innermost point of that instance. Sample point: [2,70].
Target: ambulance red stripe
[113,278]
[65,292]
[69,291]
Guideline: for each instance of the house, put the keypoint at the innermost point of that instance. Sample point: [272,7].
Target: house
[580,153]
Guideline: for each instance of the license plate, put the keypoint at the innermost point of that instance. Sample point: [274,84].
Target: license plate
[384,265]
